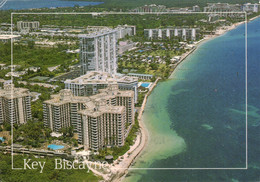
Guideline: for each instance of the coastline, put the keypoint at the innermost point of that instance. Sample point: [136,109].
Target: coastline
[120,170]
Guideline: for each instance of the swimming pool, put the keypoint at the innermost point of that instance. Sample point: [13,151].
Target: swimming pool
[1,138]
[146,85]
[55,147]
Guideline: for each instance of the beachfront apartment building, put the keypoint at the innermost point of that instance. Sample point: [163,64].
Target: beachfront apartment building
[122,30]
[213,17]
[15,105]
[248,7]
[171,33]
[103,126]
[125,30]
[98,52]
[151,8]
[223,9]
[90,83]
[141,76]
[100,120]
[28,25]
[61,110]
[196,8]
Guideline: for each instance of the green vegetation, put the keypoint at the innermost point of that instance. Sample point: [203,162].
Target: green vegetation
[141,21]
[30,134]
[158,69]
[140,99]
[48,174]
[33,134]
[37,56]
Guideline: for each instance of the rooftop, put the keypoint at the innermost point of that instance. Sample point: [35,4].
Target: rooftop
[10,91]
[7,37]
[66,96]
[99,77]
[139,74]
[98,34]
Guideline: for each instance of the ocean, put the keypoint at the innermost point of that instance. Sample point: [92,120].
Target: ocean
[197,119]
[28,4]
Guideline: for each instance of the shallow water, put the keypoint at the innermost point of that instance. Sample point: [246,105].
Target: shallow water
[197,119]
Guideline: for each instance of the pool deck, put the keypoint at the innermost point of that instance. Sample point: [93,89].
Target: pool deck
[149,86]
[56,147]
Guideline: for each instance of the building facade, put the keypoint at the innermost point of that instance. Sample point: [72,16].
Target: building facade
[98,52]
[28,26]
[15,105]
[171,33]
[196,8]
[103,126]
[141,76]
[223,9]
[151,8]
[61,111]
[248,7]
[90,83]
[99,120]
[124,30]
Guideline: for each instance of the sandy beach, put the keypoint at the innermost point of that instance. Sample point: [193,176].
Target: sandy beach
[119,168]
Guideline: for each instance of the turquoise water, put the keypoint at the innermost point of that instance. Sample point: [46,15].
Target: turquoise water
[197,118]
[55,147]
[28,4]
[145,85]
[2,139]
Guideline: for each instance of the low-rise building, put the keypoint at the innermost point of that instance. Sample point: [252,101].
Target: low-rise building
[213,17]
[141,76]
[6,38]
[125,46]
[33,68]
[16,74]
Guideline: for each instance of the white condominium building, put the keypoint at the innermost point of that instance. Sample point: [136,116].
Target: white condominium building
[103,125]
[90,83]
[171,33]
[15,105]
[25,25]
[151,8]
[124,30]
[99,120]
[61,110]
[248,7]
[98,52]
[223,9]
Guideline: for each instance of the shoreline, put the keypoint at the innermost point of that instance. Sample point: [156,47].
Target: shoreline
[119,171]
